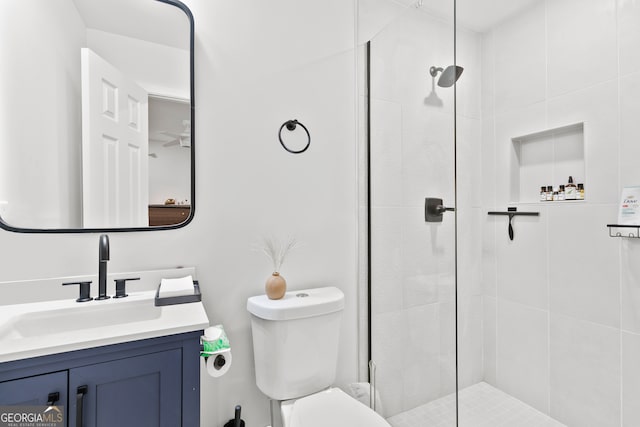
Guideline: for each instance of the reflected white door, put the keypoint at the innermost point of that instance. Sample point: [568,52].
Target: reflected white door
[115,146]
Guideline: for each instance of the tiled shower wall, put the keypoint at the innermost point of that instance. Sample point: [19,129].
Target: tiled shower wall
[562,300]
[413,323]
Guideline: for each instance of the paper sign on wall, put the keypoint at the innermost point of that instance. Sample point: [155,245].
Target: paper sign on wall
[629,213]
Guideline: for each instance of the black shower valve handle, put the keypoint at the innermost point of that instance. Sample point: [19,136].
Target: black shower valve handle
[434,208]
[443,209]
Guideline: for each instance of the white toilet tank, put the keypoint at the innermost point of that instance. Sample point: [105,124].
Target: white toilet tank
[295,341]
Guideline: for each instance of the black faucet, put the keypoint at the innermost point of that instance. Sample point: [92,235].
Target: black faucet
[103,257]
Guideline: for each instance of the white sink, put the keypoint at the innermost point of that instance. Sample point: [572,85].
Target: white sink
[39,323]
[36,329]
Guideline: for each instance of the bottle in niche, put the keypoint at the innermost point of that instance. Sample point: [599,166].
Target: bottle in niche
[580,194]
[555,195]
[561,194]
[549,193]
[570,190]
[543,193]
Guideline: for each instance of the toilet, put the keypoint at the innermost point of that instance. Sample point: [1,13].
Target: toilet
[295,346]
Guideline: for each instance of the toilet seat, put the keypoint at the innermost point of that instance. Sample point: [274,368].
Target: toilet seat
[332,407]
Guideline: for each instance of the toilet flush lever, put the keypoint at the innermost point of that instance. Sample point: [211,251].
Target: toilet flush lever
[433,209]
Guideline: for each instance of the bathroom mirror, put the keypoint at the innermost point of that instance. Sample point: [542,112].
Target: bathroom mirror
[96,115]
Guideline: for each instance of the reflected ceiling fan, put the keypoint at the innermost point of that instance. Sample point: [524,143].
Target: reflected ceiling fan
[183,139]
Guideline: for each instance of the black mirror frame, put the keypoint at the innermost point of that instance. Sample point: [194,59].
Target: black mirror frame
[187,11]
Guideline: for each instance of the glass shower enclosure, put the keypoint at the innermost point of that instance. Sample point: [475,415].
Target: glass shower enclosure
[518,306]
[411,166]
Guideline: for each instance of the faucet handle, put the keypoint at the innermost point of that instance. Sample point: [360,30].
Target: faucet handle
[85,290]
[120,287]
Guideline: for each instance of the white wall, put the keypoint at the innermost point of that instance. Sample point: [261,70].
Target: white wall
[165,70]
[40,110]
[258,64]
[170,169]
[561,300]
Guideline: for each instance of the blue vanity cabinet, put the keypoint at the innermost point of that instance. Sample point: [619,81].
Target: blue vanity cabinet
[142,391]
[148,383]
[35,390]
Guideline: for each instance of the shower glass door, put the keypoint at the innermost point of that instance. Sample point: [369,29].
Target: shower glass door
[410,148]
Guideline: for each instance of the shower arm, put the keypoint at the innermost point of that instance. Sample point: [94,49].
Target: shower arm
[435,70]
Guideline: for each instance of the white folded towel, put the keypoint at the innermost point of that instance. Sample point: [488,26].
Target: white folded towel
[176,287]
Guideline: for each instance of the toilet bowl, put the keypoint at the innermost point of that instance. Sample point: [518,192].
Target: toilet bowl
[295,348]
[329,408]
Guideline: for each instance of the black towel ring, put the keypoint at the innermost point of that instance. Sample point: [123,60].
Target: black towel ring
[291,126]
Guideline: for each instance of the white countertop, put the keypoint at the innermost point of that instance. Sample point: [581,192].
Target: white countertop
[42,328]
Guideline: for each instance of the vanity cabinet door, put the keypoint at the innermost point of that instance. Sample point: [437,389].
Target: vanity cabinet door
[35,390]
[141,391]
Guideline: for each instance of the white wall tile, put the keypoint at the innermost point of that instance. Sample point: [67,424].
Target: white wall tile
[629,131]
[427,156]
[489,340]
[488,190]
[447,348]
[630,285]
[470,340]
[630,379]
[522,353]
[488,257]
[386,153]
[584,283]
[488,75]
[581,44]
[597,107]
[421,376]
[516,122]
[628,36]
[520,61]
[522,272]
[469,168]
[386,259]
[468,87]
[488,162]
[423,248]
[421,382]
[402,55]
[585,373]
[390,331]
[469,251]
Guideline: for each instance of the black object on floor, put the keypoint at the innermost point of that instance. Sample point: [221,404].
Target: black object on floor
[236,422]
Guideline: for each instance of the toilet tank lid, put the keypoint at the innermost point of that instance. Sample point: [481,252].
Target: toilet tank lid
[297,304]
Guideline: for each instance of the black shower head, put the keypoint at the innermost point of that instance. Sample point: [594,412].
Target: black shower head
[449,75]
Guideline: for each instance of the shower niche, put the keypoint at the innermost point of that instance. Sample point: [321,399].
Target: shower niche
[547,158]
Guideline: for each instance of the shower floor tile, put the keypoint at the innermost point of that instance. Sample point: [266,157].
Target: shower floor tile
[481,405]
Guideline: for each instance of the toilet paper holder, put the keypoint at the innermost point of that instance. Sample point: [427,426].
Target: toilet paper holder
[219,360]
[215,344]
